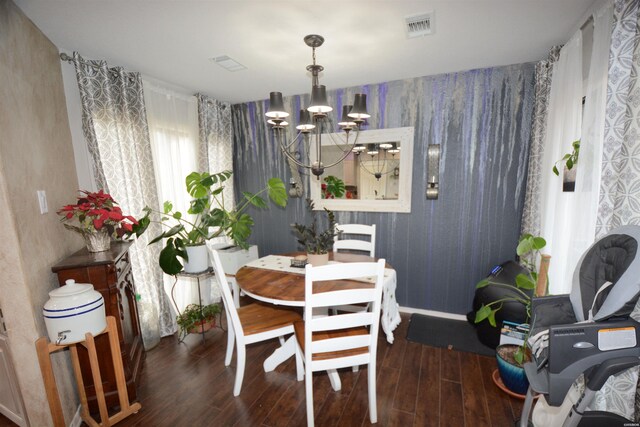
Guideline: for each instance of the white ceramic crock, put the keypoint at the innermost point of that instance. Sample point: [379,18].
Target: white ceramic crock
[73,310]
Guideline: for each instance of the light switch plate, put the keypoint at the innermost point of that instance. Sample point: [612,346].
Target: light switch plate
[42,201]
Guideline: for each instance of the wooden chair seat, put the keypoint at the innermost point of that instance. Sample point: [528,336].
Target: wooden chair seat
[256,318]
[323,335]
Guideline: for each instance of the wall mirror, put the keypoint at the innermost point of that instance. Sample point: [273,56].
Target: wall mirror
[377,173]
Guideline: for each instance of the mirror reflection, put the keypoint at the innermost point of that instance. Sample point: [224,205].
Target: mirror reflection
[370,172]
[376,177]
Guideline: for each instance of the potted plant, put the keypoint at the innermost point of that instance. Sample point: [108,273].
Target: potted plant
[511,357]
[98,218]
[316,242]
[197,318]
[208,210]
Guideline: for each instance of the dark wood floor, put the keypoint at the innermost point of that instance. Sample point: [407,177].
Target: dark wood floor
[188,385]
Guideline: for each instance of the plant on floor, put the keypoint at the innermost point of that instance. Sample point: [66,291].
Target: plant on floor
[315,240]
[195,315]
[207,209]
[528,250]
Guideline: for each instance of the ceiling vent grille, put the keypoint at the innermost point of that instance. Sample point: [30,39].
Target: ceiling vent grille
[228,63]
[419,25]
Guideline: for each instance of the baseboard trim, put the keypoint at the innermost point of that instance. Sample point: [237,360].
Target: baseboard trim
[77,419]
[433,313]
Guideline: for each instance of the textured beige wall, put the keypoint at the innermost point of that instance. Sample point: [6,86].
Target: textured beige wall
[35,154]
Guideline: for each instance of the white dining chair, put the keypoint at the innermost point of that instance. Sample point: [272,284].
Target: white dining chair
[355,245]
[250,324]
[328,343]
[367,247]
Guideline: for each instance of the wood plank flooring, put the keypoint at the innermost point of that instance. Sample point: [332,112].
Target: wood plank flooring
[188,385]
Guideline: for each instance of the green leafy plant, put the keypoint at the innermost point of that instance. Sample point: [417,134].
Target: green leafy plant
[333,188]
[570,159]
[195,314]
[208,210]
[315,240]
[528,250]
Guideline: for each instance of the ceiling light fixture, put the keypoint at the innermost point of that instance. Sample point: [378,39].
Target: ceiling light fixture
[315,120]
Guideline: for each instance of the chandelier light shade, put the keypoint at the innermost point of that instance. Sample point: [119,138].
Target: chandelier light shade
[316,120]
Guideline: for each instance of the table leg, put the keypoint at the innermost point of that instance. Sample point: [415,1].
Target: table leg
[334,378]
[281,354]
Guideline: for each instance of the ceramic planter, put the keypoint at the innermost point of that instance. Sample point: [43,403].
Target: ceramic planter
[98,241]
[198,259]
[233,257]
[512,375]
[203,326]
[317,260]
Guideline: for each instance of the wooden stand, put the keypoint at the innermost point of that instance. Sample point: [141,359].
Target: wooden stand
[45,348]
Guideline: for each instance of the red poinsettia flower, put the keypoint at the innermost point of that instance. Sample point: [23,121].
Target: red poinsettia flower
[97,211]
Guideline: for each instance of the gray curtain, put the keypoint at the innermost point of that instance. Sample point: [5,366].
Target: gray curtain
[115,127]
[215,152]
[620,186]
[531,211]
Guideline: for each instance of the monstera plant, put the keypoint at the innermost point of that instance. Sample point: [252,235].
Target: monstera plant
[209,217]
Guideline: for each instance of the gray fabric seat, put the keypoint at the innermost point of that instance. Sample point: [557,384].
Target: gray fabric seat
[605,290]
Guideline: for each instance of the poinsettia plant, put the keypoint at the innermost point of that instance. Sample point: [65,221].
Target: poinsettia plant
[97,211]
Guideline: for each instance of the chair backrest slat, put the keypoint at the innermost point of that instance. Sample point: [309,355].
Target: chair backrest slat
[341,343]
[356,244]
[349,320]
[346,296]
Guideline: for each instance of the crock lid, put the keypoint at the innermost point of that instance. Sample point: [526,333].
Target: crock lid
[71,288]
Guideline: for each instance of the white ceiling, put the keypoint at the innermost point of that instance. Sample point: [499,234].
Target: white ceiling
[173,40]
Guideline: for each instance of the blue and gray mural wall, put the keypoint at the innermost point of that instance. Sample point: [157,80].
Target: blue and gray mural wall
[481,119]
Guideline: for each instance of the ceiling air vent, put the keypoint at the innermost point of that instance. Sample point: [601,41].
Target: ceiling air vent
[228,63]
[419,25]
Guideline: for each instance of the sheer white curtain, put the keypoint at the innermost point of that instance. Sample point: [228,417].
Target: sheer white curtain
[569,218]
[565,119]
[173,126]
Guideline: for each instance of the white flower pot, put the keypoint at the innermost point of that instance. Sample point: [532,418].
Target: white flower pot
[198,259]
[232,257]
[73,310]
[317,260]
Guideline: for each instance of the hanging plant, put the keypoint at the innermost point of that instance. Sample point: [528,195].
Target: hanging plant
[569,159]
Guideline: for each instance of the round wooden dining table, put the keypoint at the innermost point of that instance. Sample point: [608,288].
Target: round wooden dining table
[285,288]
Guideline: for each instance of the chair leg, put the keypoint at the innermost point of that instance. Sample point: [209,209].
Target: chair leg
[355,368]
[281,339]
[231,338]
[371,380]
[308,386]
[239,369]
[299,363]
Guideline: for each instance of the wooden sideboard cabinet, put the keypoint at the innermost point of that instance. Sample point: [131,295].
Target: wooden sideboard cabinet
[110,274]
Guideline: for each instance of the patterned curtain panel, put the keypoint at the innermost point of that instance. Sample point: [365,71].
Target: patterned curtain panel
[531,210]
[216,140]
[620,187]
[115,126]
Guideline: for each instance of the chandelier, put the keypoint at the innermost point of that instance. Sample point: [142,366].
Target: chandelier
[377,162]
[315,120]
